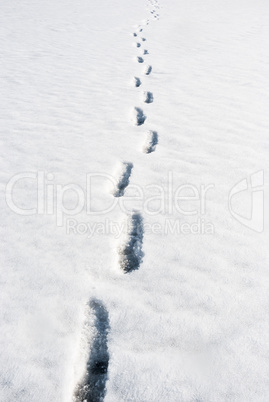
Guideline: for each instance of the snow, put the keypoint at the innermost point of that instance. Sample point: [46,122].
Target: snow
[190,323]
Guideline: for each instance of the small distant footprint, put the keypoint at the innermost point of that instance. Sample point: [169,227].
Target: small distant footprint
[143,39]
[138,44]
[148,97]
[135,34]
[151,142]
[137,82]
[140,59]
[139,116]
[146,51]
[148,70]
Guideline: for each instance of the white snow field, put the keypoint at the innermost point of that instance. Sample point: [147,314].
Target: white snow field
[175,307]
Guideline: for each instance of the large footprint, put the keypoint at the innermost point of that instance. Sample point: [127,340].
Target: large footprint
[93,385]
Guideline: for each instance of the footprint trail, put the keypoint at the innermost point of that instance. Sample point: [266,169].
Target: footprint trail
[92,388]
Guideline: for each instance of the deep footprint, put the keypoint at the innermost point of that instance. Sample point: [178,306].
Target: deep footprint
[148,97]
[140,59]
[93,386]
[137,82]
[148,70]
[138,44]
[123,179]
[151,142]
[146,51]
[130,252]
[139,116]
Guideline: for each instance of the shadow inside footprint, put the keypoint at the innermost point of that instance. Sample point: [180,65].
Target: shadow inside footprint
[148,97]
[137,82]
[139,116]
[123,179]
[151,142]
[130,253]
[93,387]
[148,70]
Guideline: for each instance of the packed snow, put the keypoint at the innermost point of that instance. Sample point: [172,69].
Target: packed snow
[134,225]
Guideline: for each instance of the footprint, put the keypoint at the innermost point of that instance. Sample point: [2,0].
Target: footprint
[138,44]
[139,116]
[135,34]
[140,59]
[123,179]
[137,82]
[151,142]
[130,252]
[146,51]
[148,97]
[143,39]
[148,70]
[93,386]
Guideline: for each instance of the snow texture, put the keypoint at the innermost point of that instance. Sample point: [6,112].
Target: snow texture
[191,322]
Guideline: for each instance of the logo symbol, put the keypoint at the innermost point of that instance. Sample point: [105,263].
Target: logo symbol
[255,186]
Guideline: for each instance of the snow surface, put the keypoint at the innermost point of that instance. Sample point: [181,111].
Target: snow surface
[191,323]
